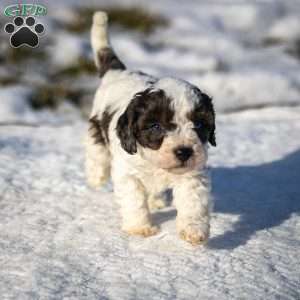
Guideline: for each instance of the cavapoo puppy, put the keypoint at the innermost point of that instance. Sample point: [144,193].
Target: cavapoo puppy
[149,134]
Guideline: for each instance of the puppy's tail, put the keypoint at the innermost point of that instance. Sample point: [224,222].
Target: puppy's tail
[105,58]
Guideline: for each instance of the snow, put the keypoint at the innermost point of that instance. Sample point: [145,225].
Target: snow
[226,59]
[67,50]
[249,88]
[15,109]
[59,239]
[62,240]
[14,103]
[286,29]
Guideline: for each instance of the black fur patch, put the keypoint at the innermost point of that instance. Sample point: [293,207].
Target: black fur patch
[146,120]
[96,130]
[108,60]
[204,113]
[99,128]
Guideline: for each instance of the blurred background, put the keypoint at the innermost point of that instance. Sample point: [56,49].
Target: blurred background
[60,239]
[245,54]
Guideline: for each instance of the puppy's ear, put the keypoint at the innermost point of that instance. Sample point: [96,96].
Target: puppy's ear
[206,104]
[212,136]
[125,132]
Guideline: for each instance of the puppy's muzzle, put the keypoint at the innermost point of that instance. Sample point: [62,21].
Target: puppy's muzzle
[183,153]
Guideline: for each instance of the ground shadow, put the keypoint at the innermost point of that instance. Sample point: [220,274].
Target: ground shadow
[262,196]
[161,216]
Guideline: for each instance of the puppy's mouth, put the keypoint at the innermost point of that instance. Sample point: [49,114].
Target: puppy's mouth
[180,168]
[183,167]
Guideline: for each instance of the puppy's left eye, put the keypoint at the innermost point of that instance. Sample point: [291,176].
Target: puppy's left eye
[198,125]
[154,127]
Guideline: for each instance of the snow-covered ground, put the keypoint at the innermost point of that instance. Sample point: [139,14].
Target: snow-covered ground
[60,239]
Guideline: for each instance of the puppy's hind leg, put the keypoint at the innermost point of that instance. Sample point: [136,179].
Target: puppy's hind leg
[97,163]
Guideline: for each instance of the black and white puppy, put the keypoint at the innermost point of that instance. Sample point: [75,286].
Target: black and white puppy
[149,135]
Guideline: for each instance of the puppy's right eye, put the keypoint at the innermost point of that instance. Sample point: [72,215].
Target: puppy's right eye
[198,125]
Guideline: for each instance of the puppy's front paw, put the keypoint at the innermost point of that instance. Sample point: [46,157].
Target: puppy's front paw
[144,231]
[194,233]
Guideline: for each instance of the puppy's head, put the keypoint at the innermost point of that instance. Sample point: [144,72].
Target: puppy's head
[169,125]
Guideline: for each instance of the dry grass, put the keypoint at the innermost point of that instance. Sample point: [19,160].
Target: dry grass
[134,18]
[83,66]
[8,81]
[17,55]
[294,49]
[51,96]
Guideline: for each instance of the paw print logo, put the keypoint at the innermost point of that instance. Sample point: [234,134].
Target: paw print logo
[24,33]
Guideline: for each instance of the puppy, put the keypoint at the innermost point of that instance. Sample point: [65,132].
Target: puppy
[149,135]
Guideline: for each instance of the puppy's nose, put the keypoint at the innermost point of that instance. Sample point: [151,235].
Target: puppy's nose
[183,153]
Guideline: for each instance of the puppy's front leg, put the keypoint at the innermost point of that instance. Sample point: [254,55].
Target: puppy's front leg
[192,200]
[132,197]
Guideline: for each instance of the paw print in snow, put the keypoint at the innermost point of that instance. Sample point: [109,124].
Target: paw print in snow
[24,33]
